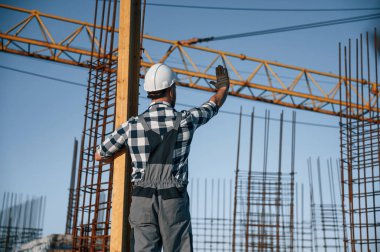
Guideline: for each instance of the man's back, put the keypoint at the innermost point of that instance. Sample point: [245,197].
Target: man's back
[160,118]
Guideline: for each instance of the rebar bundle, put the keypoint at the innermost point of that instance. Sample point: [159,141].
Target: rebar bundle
[264,200]
[211,223]
[360,140]
[91,222]
[326,218]
[304,236]
[268,223]
[21,220]
[303,228]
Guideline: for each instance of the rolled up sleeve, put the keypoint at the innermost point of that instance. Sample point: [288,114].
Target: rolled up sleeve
[114,142]
[201,115]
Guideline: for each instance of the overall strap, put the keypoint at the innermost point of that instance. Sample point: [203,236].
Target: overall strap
[154,139]
[143,122]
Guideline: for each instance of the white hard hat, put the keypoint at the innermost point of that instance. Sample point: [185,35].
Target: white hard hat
[159,77]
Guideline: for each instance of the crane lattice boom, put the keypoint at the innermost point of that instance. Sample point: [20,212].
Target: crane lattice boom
[251,78]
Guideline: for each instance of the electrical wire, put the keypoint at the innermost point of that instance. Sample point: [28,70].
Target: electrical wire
[282,29]
[260,9]
[43,76]
[292,28]
[177,103]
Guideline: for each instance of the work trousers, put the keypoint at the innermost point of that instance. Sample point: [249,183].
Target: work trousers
[159,214]
[161,223]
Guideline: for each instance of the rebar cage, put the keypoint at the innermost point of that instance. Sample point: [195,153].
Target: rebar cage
[359,143]
[92,215]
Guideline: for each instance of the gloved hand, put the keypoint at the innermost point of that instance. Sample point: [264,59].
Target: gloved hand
[222,79]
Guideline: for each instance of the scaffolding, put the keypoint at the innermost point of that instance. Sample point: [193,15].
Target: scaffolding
[359,143]
[21,220]
[91,221]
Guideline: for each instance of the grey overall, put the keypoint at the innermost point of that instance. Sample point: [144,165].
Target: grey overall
[159,214]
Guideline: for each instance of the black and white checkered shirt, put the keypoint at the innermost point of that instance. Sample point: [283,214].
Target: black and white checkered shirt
[160,117]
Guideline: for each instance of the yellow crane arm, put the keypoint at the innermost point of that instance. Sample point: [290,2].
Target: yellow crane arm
[251,78]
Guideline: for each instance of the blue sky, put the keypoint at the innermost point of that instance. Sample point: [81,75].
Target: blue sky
[40,117]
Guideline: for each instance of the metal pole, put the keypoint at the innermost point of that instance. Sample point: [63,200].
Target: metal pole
[217,217]
[126,106]
[191,196]
[262,229]
[376,89]
[302,218]
[198,198]
[312,206]
[297,221]
[358,149]
[321,205]
[236,186]
[205,217]
[341,149]
[292,180]
[70,204]
[249,183]
[365,163]
[347,72]
[371,164]
[278,196]
[211,213]
[230,211]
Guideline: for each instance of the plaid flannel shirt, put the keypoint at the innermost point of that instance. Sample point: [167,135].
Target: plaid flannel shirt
[160,118]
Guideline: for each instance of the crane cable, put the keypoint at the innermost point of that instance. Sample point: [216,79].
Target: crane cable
[282,29]
[261,9]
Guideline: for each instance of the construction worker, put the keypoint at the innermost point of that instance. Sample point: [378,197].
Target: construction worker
[159,144]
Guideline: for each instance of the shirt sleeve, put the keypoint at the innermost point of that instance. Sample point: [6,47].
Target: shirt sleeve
[201,115]
[114,142]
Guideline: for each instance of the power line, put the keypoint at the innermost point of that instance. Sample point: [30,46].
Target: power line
[260,9]
[178,103]
[43,76]
[292,28]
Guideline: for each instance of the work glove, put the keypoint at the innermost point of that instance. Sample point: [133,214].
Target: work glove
[222,79]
